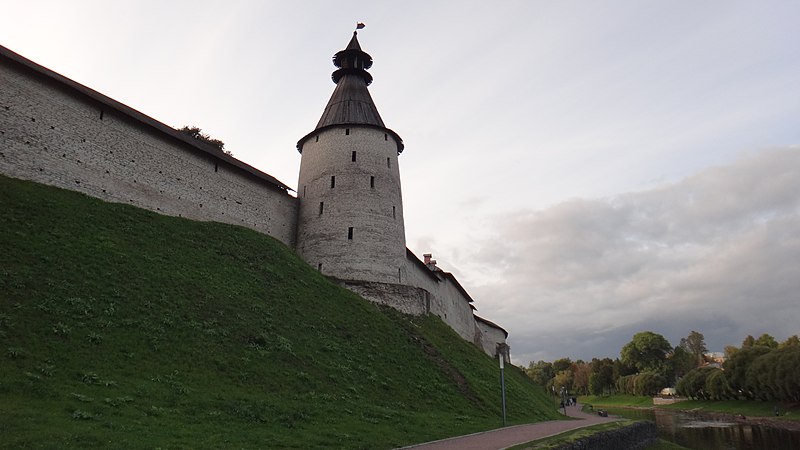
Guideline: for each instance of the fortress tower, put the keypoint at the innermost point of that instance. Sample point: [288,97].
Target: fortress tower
[347,218]
[350,219]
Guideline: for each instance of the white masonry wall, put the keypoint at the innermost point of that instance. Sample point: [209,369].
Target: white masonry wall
[55,135]
[365,196]
[490,337]
[446,301]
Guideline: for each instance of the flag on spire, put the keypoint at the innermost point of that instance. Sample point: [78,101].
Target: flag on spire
[360,25]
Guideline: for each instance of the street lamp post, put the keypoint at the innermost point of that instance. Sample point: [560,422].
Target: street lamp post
[502,385]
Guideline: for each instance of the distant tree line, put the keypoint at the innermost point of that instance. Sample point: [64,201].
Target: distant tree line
[762,369]
[649,363]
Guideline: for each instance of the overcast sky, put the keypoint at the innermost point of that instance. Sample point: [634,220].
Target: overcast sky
[588,170]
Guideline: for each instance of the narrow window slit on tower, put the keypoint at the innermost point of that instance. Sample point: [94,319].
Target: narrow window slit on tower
[353,156]
[372,182]
[385,137]
[216,167]
[333,181]
[394,212]
[304,191]
[316,138]
[389,162]
[350,233]
[101,114]
[319,267]
[321,207]
[347,131]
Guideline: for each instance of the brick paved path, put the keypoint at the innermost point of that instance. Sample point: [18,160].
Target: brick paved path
[506,437]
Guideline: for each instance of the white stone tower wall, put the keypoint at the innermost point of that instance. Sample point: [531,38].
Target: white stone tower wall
[376,251]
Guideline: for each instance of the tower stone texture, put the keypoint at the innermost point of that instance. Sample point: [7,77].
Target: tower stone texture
[350,220]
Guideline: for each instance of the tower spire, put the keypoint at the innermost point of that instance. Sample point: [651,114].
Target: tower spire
[352,61]
[351,102]
[350,219]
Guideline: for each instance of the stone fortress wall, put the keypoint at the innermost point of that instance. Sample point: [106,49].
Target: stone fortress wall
[346,170]
[57,132]
[447,299]
[54,134]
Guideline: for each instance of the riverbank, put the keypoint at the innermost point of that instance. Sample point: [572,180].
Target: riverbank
[741,411]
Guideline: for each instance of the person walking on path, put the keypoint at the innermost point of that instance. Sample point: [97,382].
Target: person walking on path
[509,436]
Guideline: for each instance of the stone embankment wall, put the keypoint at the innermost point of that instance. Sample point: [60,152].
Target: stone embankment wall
[449,301]
[438,293]
[56,132]
[406,299]
[633,437]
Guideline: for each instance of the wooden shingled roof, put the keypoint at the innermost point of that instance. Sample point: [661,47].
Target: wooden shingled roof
[351,102]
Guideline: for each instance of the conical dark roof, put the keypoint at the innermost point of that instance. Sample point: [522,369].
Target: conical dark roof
[354,45]
[351,103]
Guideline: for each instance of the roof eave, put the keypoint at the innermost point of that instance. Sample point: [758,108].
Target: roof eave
[395,136]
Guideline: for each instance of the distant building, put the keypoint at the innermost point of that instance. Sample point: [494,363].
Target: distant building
[714,359]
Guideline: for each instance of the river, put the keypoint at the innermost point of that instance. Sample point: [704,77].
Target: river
[699,432]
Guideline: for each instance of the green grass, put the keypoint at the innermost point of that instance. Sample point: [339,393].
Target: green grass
[570,436]
[787,411]
[526,401]
[748,408]
[127,329]
[664,444]
[617,400]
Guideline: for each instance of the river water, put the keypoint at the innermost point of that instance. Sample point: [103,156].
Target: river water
[705,433]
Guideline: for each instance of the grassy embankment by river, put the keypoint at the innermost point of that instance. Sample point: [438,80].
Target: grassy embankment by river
[121,328]
[748,408]
[558,440]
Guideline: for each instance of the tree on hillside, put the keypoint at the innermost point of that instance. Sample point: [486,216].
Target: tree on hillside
[775,375]
[602,376]
[621,369]
[695,344]
[765,340]
[563,379]
[681,361]
[647,351]
[540,372]
[197,133]
[736,368]
[717,386]
[792,341]
[580,377]
[562,364]
[748,341]
[694,383]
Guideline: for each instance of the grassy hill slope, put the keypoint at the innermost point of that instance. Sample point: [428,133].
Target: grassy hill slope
[127,329]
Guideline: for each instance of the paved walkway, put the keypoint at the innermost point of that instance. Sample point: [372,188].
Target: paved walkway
[507,437]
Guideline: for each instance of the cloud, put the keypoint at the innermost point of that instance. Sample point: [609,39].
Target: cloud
[717,252]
